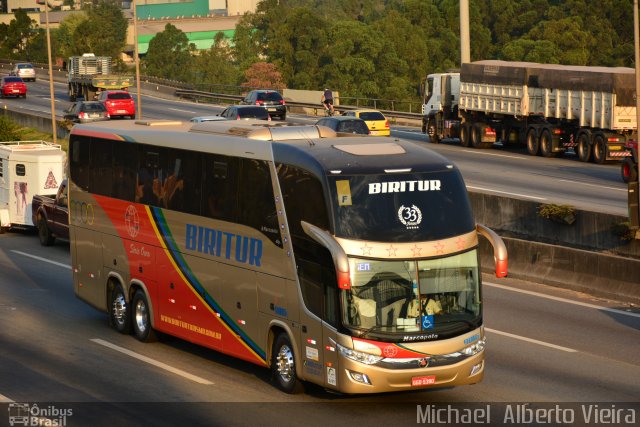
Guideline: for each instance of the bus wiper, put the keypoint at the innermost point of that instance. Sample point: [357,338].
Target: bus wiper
[365,333]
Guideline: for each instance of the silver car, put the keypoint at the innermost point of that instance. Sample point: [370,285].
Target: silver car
[25,71]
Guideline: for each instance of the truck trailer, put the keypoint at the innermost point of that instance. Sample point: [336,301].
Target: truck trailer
[89,74]
[27,168]
[549,108]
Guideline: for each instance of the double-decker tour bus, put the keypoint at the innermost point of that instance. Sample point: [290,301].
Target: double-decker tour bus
[347,261]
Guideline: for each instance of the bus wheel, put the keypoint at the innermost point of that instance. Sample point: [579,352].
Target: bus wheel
[584,149]
[142,318]
[599,149]
[533,144]
[546,144]
[283,365]
[119,315]
[45,236]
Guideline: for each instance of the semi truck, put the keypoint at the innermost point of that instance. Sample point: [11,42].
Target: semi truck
[549,108]
[89,74]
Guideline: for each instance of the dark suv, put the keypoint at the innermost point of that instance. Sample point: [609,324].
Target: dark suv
[269,99]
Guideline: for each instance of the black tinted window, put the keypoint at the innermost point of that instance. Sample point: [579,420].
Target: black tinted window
[220,187]
[253,113]
[119,96]
[12,79]
[93,107]
[373,115]
[353,126]
[257,203]
[269,96]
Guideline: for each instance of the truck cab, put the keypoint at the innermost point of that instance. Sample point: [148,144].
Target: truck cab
[441,94]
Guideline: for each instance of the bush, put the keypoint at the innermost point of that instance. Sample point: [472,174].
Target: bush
[559,213]
[8,130]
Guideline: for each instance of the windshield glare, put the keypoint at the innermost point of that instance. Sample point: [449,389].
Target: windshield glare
[412,296]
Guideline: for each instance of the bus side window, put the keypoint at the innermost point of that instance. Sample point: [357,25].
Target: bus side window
[220,187]
[257,206]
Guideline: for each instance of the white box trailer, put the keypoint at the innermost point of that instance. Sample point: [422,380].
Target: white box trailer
[27,168]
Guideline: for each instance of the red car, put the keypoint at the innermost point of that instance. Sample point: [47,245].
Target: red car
[13,86]
[119,103]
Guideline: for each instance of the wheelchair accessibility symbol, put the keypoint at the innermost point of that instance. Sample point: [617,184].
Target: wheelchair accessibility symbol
[427,322]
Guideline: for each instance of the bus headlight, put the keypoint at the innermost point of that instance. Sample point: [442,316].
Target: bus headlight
[358,356]
[474,348]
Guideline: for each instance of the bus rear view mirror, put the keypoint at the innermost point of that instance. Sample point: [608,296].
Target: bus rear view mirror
[500,255]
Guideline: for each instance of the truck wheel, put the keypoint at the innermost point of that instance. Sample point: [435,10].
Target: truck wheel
[464,135]
[476,136]
[546,144]
[142,318]
[599,149]
[584,148]
[283,365]
[119,311]
[629,170]
[45,236]
[431,131]
[533,144]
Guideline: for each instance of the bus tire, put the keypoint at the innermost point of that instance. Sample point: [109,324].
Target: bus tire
[119,312]
[283,365]
[44,234]
[584,148]
[533,143]
[546,144]
[142,329]
[599,149]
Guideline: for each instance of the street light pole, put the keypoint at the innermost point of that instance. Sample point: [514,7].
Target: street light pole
[634,200]
[137,59]
[54,127]
[465,49]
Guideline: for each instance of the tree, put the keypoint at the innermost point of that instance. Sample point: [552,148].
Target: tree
[170,55]
[263,75]
[104,32]
[215,66]
[64,35]
[17,35]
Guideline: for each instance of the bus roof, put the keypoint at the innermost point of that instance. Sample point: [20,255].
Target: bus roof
[314,147]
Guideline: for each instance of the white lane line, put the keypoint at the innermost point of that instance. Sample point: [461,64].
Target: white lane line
[593,185]
[182,111]
[5,399]
[59,264]
[506,192]
[518,337]
[565,300]
[153,362]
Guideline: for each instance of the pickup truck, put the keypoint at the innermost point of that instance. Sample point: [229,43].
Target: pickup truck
[50,214]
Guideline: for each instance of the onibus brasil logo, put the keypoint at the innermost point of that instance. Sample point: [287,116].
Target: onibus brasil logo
[27,414]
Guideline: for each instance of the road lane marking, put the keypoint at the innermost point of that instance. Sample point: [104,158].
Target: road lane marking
[506,192]
[560,299]
[182,111]
[531,340]
[59,264]
[153,362]
[593,185]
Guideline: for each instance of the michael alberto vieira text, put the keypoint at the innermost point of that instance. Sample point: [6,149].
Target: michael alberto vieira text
[516,414]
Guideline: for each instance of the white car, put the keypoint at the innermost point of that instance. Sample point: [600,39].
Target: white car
[25,71]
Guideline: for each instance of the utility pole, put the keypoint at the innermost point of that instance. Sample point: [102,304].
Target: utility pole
[465,49]
[136,59]
[634,194]
[54,127]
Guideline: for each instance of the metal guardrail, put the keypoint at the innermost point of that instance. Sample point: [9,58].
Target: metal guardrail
[209,96]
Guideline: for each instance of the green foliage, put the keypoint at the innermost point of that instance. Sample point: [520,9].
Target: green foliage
[8,130]
[170,55]
[215,66]
[103,32]
[623,230]
[559,213]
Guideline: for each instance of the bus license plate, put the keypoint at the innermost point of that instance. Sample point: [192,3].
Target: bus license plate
[420,381]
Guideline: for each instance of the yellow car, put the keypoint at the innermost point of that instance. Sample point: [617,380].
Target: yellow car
[376,121]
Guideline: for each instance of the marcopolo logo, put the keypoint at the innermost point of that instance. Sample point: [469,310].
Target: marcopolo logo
[27,414]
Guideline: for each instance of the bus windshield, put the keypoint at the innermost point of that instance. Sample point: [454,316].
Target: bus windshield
[411,207]
[437,296]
